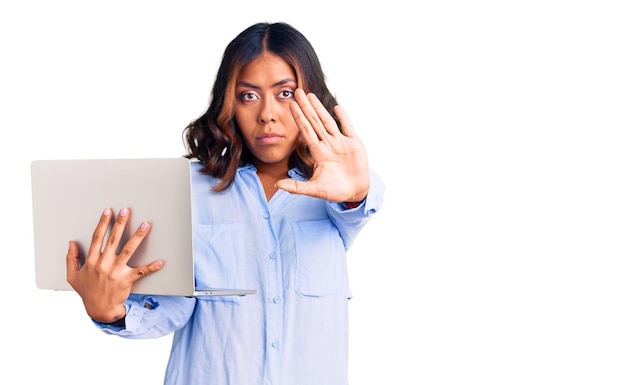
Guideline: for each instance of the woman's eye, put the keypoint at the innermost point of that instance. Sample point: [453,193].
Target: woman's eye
[286,94]
[247,96]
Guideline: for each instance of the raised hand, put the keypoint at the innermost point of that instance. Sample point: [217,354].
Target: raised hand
[340,166]
[105,280]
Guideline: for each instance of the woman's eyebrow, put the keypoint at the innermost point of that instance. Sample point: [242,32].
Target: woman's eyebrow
[248,85]
[284,81]
[278,83]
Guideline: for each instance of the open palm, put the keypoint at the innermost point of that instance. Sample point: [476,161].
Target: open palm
[340,166]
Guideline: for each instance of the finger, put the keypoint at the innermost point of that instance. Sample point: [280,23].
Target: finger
[118,230]
[313,117]
[99,233]
[72,261]
[346,124]
[307,132]
[133,243]
[144,271]
[327,123]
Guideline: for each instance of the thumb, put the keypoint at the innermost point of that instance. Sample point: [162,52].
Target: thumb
[294,186]
[71,261]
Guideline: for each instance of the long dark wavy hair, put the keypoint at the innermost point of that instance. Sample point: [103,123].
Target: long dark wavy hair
[214,138]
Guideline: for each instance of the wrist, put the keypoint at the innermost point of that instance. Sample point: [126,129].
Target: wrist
[111,318]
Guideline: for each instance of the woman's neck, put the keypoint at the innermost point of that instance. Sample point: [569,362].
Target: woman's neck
[269,174]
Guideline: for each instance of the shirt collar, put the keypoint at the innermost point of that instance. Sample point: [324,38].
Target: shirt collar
[293,173]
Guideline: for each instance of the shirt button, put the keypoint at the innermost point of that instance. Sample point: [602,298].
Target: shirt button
[276,299]
[272,255]
[266,215]
[274,344]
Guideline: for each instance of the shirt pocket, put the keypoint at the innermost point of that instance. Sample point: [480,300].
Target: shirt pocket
[320,259]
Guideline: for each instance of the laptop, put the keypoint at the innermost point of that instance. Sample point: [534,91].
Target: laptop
[69,196]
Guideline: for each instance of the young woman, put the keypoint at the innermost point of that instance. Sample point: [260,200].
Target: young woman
[281,188]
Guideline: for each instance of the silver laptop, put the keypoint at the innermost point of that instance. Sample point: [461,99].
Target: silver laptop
[68,197]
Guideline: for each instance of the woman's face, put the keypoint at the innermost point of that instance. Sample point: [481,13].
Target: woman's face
[264,90]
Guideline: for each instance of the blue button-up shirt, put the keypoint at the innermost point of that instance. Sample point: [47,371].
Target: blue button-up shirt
[292,250]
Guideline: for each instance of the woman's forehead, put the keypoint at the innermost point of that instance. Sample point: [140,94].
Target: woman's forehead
[266,68]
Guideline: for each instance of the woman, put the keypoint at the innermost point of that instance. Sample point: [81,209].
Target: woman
[281,188]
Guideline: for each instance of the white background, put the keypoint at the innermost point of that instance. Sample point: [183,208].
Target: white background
[498,127]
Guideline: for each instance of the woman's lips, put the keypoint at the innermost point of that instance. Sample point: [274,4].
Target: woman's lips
[268,139]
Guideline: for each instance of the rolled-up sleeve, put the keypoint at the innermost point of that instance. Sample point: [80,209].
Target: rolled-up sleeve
[349,222]
[152,316]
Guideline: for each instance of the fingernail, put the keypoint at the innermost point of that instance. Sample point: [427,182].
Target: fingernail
[158,264]
[123,212]
[144,226]
[106,212]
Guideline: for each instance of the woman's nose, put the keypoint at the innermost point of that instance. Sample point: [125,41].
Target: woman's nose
[267,113]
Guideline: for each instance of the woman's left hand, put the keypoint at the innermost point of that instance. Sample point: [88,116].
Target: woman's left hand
[340,166]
